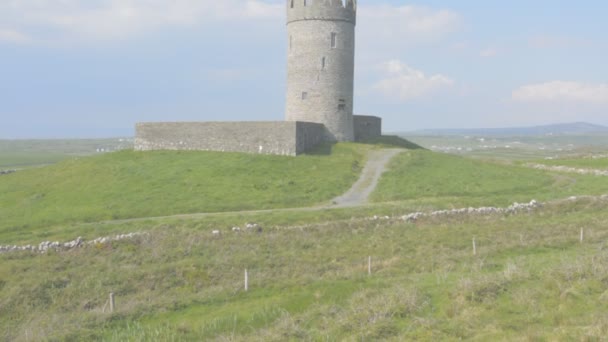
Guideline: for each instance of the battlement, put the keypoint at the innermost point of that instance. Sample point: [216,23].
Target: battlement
[341,10]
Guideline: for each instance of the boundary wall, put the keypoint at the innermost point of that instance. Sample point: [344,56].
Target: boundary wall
[273,137]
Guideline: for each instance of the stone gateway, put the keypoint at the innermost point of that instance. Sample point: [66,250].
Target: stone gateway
[319,101]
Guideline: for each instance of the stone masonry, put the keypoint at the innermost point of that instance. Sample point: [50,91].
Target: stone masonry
[278,137]
[319,95]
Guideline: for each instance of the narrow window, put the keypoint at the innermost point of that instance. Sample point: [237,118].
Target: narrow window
[304,95]
[292,3]
[334,40]
[341,106]
[323,63]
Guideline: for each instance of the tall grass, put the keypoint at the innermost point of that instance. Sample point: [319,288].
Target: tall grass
[531,279]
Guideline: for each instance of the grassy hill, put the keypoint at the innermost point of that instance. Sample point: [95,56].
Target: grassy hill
[532,278]
[129,184]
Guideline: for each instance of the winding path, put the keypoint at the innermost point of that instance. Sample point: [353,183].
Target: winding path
[374,168]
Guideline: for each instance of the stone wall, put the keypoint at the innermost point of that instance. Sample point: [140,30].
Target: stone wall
[367,127]
[280,138]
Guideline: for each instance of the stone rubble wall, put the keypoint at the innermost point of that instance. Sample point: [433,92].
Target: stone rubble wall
[514,209]
[46,246]
[272,137]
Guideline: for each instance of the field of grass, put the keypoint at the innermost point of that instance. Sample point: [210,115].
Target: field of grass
[446,181]
[531,280]
[130,184]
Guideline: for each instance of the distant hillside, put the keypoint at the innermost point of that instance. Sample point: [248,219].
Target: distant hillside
[557,129]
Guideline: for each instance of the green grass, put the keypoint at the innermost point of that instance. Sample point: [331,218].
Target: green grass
[531,280]
[447,181]
[131,184]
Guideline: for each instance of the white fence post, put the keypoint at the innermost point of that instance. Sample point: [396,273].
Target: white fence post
[246,280]
[474,247]
[369,265]
[112,302]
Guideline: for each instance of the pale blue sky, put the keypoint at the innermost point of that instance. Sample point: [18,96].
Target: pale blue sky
[76,68]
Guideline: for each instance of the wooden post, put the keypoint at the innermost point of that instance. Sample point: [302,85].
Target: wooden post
[246,280]
[112,303]
[369,266]
[474,247]
[582,234]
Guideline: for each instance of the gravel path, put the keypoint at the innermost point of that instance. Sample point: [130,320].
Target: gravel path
[373,170]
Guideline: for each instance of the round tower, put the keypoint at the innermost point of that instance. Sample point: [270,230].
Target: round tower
[321,63]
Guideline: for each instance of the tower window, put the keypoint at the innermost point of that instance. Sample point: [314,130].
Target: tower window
[292,3]
[341,106]
[323,63]
[334,40]
[304,95]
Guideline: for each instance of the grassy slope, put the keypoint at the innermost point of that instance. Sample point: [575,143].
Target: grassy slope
[129,184]
[446,180]
[531,280]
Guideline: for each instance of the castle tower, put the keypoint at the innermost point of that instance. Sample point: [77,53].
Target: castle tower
[321,63]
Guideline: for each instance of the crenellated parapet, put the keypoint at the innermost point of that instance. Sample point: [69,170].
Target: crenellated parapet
[343,10]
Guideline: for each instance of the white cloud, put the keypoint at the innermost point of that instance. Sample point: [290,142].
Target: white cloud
[119,19]
[405,83]
[562,91]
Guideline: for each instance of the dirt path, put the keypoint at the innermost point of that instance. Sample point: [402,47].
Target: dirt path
[373,170]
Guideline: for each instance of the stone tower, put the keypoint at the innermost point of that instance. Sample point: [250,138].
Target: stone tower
[321,63]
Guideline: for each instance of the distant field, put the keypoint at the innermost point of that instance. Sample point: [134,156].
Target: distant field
[20,154]
[446,180]
[513,148]
[587,163]
[131,184]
